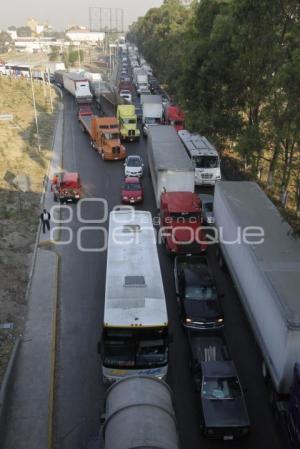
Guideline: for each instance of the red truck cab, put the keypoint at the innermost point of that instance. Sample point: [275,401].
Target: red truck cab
[181,223]
[174,116]
[66,187]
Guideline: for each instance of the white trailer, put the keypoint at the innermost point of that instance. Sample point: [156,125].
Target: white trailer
[135,325]
[170,167]
[266,272]
[78,86]
[152,111]
[204,157]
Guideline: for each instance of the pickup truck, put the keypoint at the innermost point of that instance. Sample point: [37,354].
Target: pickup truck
[223,407]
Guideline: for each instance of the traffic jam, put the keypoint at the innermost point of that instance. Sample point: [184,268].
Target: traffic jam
[179,162]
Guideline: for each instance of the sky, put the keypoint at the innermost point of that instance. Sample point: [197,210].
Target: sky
[60,13]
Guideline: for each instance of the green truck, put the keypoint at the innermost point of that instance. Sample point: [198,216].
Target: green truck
[128,122]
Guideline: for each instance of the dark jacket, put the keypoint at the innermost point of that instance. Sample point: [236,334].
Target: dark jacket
[42,214]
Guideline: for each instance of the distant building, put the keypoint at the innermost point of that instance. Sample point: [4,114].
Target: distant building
[37,45]
[85,36]
[38,28]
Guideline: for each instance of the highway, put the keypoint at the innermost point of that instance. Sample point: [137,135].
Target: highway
[79,387]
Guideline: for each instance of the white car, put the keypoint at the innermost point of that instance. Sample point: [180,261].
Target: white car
[134,166]
[126,95]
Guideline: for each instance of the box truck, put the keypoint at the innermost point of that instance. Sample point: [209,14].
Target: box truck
[263,256]
[152,111]
[170,167]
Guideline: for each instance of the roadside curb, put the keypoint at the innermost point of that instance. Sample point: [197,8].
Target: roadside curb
[5,386]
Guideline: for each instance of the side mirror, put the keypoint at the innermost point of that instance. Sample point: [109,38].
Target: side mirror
[102,419]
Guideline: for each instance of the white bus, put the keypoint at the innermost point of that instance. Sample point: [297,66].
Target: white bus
[135,325]
[204,156]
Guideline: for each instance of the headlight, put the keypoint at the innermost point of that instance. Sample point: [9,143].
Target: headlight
[210,431]
[125,197]
[220,320]
[77,196]
[139,198]
[188,320]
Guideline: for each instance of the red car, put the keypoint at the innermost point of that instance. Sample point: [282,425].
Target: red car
[132,190]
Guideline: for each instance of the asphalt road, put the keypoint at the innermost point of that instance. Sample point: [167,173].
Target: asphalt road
[79,388]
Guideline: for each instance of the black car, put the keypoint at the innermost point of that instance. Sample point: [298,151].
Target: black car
[197,295]
[223,406]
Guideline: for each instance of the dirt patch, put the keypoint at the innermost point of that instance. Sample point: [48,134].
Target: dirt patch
[22,172]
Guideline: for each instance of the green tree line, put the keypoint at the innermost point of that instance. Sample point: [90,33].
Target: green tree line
[234,66]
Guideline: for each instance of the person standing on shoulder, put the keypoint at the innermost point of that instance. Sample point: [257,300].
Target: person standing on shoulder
[45,219]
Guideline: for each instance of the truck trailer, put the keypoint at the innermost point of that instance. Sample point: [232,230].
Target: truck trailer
[170,167]
[264,262]
[152,111]
[78,86]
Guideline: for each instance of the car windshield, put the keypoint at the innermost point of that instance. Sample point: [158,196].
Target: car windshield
[139,349]
[221,388]
[152,121]
[208,207]
[112,136]
[134,162]
[206,161]
[129,121]
[201,292]
[131,186]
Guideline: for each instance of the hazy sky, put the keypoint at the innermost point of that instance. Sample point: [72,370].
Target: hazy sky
[60,13]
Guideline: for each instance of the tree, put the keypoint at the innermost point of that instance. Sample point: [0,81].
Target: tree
[24,31]
[54,53]
[5,42]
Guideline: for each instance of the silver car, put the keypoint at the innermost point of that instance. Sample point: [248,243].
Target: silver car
[207,208]
[134,166]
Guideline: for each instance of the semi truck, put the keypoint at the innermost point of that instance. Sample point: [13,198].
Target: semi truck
[128,122]
[152,111]
[264,262]
[181,223]
[170,167]
[140,78]
[78,86]
[174,116]
[204,157]
[104,134]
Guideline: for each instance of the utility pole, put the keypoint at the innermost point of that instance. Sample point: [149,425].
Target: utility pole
[35,112]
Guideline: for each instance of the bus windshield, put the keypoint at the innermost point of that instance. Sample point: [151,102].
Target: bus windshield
[136,348]
[206,161]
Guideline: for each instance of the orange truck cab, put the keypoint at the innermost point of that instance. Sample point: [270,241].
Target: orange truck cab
[104,135]
[181,223]
[66,187]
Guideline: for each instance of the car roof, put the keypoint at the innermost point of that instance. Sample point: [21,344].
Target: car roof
[70,177]
[132,179]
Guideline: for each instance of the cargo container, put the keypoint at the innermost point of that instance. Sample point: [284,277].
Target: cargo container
[170,167]
[78,86]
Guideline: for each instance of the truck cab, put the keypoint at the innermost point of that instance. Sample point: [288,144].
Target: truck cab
[174,116]
[66,187]
[128,122]
[181,223]
[106,136]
